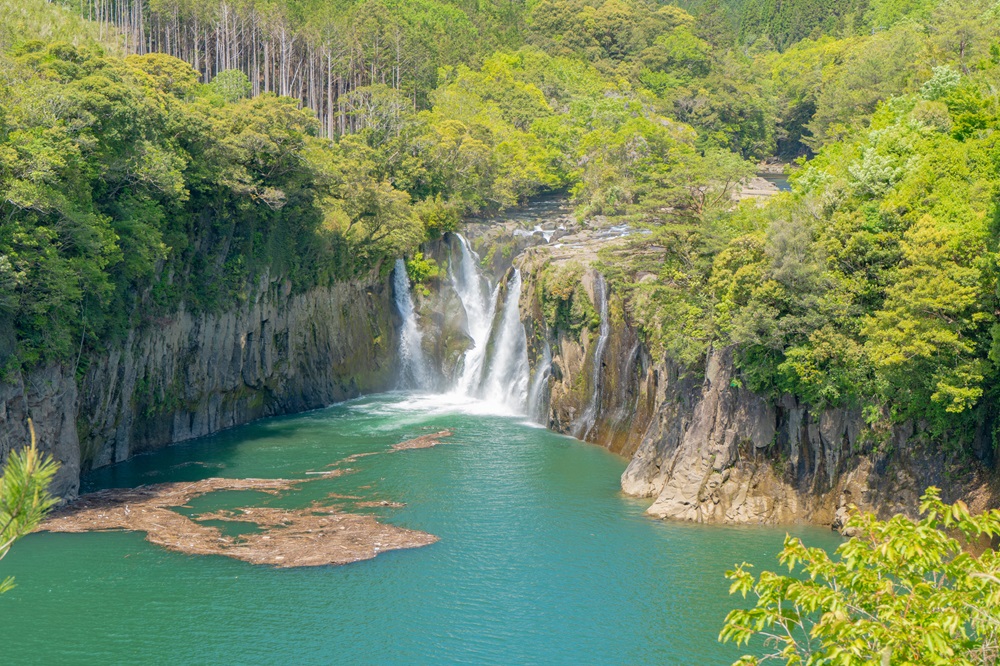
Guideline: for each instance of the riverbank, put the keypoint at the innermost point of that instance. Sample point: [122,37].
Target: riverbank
[520,314]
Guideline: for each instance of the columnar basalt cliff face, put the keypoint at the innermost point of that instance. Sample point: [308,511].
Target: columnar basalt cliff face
[193,375]
[49,397]
[701,447]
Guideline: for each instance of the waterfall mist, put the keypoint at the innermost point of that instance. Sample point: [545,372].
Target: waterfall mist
[506,381]
[495,367]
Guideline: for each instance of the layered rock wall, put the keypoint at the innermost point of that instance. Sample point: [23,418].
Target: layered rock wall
[732,456]
[194,374]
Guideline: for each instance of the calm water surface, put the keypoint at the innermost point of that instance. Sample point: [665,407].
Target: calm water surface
[541,559]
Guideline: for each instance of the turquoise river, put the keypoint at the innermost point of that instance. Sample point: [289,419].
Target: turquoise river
[541,559]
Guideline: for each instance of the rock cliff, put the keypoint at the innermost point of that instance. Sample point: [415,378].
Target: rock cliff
[703,448]
[719,453]
[195,374]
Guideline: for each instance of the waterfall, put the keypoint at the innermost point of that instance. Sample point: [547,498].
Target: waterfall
[537,404]
[506,381]
[480,309]
[585,423]
[495,368]
[411,353]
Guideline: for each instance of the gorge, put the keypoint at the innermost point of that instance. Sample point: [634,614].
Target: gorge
[704,448]
[701,447]
[470,354]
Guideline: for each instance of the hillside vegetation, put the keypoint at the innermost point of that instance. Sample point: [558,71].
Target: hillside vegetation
[312,142]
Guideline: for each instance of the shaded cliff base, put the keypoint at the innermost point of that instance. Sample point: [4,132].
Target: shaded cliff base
[194,374]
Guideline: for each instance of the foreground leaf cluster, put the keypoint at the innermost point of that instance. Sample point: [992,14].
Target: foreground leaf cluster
[24,498]
[902,591]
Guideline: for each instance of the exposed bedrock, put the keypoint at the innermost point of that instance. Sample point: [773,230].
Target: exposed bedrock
[701,447]
[719,453]
[190,375]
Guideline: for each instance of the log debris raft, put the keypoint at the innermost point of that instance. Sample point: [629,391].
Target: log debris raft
[313,536]
[422,442]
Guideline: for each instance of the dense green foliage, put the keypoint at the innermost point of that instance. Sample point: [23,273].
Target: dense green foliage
[900,592]
[873,285]
[127,188]
[131,185]
[24,498]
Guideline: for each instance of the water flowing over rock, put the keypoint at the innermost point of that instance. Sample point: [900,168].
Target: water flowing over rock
[480,309]
[701,447]
[494,366]
[585,424]
[538,402]
[506,381]
[414,370]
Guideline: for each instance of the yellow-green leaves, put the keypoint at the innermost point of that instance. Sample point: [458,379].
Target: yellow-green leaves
[924,334]
[900,592]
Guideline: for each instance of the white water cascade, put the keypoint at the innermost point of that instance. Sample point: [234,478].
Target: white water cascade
[506,380]
[585,423]
[495,367]
[411,353]
[537,402]
[480,308]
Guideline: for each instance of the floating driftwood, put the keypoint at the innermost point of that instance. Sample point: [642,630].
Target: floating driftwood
[377,503]
[422,442]
[353,458]
[314,536]
[331,473]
